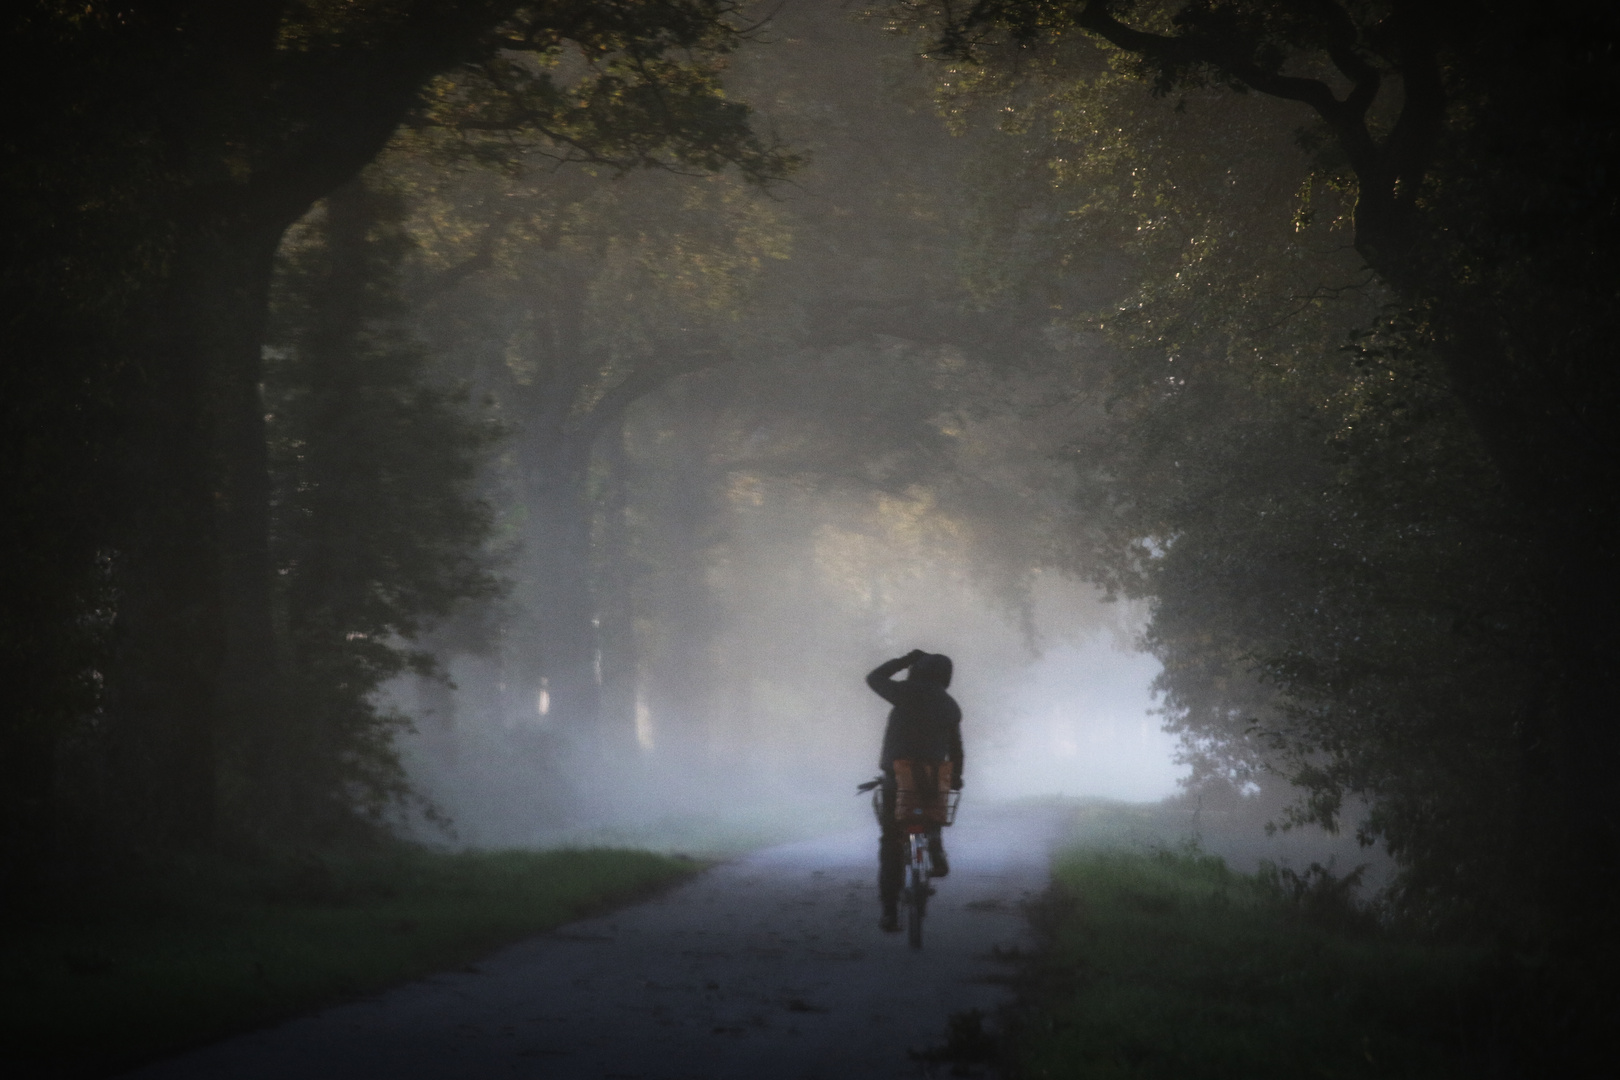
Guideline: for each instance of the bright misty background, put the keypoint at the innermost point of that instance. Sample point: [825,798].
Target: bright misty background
[877,464]
[1056,702]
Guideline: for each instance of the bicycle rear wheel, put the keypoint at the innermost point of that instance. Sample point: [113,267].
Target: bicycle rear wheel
[916,892]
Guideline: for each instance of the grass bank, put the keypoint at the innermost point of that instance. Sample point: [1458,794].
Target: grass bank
[1167,964]
[107,979]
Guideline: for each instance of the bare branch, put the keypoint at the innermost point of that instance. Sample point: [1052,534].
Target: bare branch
[641,382]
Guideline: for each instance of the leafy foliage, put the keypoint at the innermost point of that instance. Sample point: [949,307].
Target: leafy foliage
[626,85]
[378,531]
[1345,587]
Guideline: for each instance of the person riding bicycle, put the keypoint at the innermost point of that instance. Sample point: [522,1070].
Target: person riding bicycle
[925,725]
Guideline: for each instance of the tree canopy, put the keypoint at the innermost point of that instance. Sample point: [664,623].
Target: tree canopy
[167,149]
[1359,407]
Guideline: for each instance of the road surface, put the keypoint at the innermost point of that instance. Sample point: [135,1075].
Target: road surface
[768,967]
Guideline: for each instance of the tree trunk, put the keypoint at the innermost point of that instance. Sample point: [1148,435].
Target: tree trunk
[560,596]
[230,299]
[163,688]
[617,576]
[681,667]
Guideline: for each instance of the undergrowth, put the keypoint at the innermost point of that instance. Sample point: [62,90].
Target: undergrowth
[1168,964]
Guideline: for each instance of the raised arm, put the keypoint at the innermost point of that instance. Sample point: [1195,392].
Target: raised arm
[881,678]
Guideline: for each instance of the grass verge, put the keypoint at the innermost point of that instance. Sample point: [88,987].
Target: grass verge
[109,980]
[1168,964]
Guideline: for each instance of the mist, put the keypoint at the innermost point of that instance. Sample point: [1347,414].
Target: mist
[858,459]
[807,598]
[439,439]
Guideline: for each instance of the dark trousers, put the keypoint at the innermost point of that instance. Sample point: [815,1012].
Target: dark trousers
[894,849]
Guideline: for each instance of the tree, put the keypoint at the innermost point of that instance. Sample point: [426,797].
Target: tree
[567,301]
[376,529]
[207,131]
[1462,150]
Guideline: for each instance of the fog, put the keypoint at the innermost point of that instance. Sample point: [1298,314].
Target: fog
[445,437]
[862,459]
[1081,723]
[756,441]
[806,597]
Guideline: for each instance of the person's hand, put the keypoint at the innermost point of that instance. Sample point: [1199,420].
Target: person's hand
[913,656]
[956,783]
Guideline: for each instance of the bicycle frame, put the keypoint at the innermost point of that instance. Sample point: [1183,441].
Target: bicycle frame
[919,823]
[920,813]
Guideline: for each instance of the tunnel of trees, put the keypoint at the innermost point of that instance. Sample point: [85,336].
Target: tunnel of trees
[349,348]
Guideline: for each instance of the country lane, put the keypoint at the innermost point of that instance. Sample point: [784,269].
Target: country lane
[769,966]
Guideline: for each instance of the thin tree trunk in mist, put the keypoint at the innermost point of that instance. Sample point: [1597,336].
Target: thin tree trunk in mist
[553,649]
[576,604]
[617,574]
[560,598]
[681,672]
[560,641]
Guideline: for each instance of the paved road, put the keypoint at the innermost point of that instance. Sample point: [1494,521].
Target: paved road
[771,966]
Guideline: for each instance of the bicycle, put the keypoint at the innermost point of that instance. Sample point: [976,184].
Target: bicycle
[924,801]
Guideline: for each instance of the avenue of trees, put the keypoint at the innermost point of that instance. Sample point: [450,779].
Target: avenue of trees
[351,342]
[324,327]
[681,366]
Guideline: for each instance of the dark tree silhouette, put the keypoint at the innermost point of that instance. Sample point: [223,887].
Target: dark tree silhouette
[169,147]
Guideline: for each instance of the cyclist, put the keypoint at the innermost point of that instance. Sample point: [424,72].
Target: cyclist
[924,725]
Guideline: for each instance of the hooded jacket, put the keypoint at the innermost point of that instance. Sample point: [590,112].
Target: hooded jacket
[925,723]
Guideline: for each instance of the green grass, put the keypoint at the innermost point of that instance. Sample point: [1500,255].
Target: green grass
[725,833]
[132,973]
[1166,964]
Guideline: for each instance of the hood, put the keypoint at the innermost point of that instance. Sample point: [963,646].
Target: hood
[934,668]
